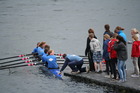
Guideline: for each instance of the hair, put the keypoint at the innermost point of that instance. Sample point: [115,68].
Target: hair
[42,43]
[121,39]
[115,35]
[91,35]
[47,47]
[64,55]
[50,51]
[135,37]
[46,50]
[91,31]
[38,44]
[107,27]
[119,28]
[135,30]
[106,36]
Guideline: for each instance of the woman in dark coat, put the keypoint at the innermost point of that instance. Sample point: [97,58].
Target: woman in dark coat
[88,51]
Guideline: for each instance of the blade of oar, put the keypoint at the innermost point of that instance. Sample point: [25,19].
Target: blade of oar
[16,60]
[17,56]
[32,64]
[17,63]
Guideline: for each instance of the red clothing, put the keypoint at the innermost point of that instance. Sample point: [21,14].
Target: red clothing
[135,49]
[113,53]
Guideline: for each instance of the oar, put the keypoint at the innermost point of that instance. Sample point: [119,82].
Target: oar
[16,60]
[84,57]
[17,56]
[18,63]
[32,64]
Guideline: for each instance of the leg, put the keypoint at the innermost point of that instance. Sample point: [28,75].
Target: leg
[79,66]
[120,69]
[136,65]
[72,65]
[107,67]
[101,66]
[90,57]
[95,65]
[139,63]
[114,61]
[123,70]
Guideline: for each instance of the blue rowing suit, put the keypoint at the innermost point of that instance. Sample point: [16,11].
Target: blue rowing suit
[44,57]
[40,52]
[74,62]
[51,60]
[35,50]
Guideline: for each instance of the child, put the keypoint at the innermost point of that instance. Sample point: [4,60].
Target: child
[135,54]
[120,47]
[96,49]
[106,54]
[113,55]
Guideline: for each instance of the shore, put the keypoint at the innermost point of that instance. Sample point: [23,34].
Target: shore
[132,85]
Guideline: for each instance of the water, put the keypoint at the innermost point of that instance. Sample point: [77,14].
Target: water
[63,24]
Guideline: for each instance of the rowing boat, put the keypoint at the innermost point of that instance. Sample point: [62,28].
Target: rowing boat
[51,72]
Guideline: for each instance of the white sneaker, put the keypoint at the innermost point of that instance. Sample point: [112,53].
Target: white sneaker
[107,76]
[134,75]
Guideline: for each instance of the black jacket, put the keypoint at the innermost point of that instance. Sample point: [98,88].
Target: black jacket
[121,49]
[88,46]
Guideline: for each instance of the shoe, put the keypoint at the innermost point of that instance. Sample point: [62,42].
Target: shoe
[121,81]
[134,75]
[100,71]
[107,76]
[75,72]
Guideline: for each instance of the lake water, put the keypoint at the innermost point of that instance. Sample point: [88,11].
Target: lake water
[63,24]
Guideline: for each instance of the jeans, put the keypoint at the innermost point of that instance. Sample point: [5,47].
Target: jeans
[77,65]
[121,69]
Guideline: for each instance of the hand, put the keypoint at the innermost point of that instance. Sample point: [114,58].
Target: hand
[60,73]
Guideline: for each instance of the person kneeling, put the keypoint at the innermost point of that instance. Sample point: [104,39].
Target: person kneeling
[75,63]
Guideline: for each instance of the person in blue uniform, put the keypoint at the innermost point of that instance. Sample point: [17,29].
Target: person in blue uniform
[40,49]
[35,49]
[51,60]
[75,63]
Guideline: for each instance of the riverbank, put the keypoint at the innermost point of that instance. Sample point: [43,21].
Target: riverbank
[131,86]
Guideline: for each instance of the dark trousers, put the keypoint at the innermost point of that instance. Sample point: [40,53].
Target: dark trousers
[139,62]
[108,66]
[77,65]
[90,58]
[113,63]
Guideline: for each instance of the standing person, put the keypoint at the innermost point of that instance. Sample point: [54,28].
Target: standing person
[88,51]
[120,47]
[75,63]
[119,31]
[107,30]
[135,54]
[134,31]
[106,55]
[95,46]
[113,54]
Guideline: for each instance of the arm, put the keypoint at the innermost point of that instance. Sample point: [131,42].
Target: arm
[65,64]
[91,46]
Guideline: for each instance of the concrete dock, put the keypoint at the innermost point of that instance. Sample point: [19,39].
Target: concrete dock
[132,85]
